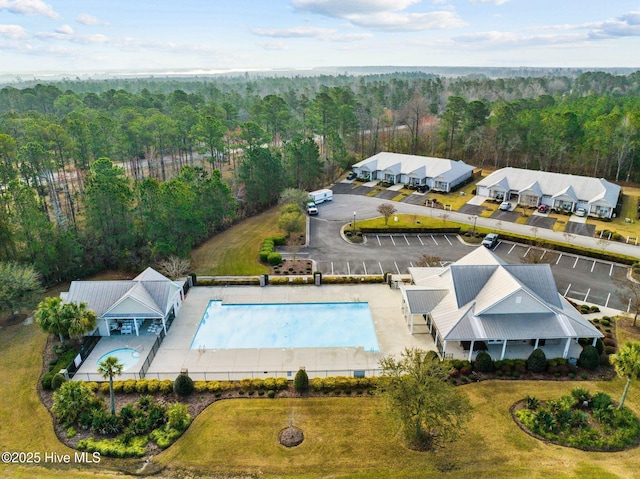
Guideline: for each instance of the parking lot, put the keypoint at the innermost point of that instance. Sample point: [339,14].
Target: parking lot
[577,277]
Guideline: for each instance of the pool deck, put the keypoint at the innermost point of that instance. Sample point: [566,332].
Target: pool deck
[175,354]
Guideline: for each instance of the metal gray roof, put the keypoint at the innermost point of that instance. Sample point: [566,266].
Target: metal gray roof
[538,278]
[423,301]
[555,184]
[468,280]
[422,166]
[150,289]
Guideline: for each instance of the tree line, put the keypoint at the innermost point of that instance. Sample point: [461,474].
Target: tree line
[95,177]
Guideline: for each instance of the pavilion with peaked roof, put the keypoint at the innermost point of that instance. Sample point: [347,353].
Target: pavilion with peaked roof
[481,302]
[123,306]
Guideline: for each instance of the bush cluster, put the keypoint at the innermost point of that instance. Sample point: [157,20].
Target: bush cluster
[589,358]
[569,421]
[183,385]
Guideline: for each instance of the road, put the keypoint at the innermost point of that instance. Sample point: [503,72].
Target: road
[577,277]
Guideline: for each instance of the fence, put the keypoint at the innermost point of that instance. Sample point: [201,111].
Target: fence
[86,349]
[152,353]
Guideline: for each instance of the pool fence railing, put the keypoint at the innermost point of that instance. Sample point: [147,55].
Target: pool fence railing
[236,375]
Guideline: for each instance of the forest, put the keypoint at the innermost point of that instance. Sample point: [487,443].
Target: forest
[100,174]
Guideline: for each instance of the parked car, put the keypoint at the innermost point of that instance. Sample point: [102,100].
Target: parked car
[490,240]
[506,206]
[312,209]
[580,212]
[543,208]
[352,176]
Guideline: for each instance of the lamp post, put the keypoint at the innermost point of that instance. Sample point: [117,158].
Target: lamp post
[475,218]
[354,223]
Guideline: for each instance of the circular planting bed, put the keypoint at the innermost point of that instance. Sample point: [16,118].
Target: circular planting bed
[579,420]
[291,436]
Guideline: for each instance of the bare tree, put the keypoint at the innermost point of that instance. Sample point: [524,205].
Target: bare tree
[386,210]
[629,293]
[174,267]
[427,260]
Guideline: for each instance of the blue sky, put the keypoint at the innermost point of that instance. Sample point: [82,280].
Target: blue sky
[197,35]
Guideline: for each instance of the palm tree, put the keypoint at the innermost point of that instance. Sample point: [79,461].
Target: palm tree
[108,368]
[81,320]
[50,318]
[627,364]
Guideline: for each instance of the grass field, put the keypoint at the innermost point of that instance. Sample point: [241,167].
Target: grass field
[234,252]
[345,437]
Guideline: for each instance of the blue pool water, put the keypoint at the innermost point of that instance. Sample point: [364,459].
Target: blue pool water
[286,325]
[126,356]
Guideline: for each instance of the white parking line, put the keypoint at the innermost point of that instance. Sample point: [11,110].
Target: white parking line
[593,265]
[559,258]
[393,241]
[420,239]
[379,243]
[574,264]
[611,270]
[587,295]
[348,269]
[397,269]
[445,237]
[434,240]
[526,253]
[509,252]
[411,263]
[543,253]
[606,303]
[405,238]
[332,267]
[381,270]
[629,306]
[568,288]
[365,268]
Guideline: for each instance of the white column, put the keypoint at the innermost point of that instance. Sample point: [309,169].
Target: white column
[135,325]
[444,349]
[566,348]
[471,349]
[593,343]
[504,349]
[106,323]
[411,323]
[537,341]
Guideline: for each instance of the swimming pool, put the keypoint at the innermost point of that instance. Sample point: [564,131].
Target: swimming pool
[286,325]
[128,357]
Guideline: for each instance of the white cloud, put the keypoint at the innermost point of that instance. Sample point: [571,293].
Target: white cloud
[13,32]
[29,8]
[384,15]
[343,8]
[65,29]
[295,32]
[325,34]
[273,46]
[391,21]
[495,2]
[87,19]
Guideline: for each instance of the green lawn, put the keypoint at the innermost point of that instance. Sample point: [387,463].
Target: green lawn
[234,252]
[345,437]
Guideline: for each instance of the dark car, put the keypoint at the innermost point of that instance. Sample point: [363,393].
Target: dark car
[352,176]
[543,208]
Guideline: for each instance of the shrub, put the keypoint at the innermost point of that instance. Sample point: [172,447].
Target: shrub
[572,375]
[589,358]
[274,258]
[605,322]
[104,387]
[200,386]
[213,386]
[118,447]
[183,385]
[279,240]
[532,402]
[600,345]
[178,416]
[71,432]
[537,361]
[499,373]
[282,384]
[118,386]
[93,386]
[594,309]
[129,386]
[45,382]
[57,380]
[483,362]
[141,386]
[271,393]
[72,400]
[515,374]
[153,386]
[166,386]
[301,381]
[585,309]
[581,394]
[609,350]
